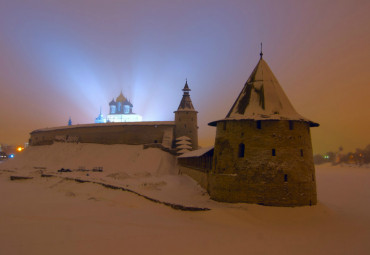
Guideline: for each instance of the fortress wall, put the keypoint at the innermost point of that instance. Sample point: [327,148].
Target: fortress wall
[105,134]
[288,178]
[234,189]
[196,174]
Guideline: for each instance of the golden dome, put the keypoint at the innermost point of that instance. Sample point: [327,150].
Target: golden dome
[121,98]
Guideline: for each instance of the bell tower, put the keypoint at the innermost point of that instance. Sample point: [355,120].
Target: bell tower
[186,118]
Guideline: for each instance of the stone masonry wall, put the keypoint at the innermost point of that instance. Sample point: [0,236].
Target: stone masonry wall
[276,167]
[104,134]
[187,125]
[196,174]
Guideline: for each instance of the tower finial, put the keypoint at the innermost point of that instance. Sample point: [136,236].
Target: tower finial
[261,54]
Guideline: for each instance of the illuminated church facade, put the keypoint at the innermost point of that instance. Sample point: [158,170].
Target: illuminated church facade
[120,110]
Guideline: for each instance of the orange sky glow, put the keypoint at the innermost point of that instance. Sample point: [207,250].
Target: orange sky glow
[62,59]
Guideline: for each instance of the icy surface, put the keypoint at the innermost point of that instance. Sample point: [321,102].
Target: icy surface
[57,216]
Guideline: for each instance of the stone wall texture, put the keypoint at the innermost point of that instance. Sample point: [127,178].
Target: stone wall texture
[105,134]
[187,125]
[274,168]
[196,174]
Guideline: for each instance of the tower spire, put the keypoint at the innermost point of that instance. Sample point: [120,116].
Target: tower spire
[261,53]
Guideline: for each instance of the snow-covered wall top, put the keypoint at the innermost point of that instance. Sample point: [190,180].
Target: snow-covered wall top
[142,123]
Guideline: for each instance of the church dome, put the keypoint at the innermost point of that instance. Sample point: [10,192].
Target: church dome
[120,98]
[127,103]
[112,102]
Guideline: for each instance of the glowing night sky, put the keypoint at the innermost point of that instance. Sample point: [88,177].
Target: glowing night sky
[61,59]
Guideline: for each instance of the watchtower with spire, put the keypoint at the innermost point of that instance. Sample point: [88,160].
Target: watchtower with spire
[263,151]
[186,123]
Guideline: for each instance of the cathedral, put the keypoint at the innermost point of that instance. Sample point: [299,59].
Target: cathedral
[119,111]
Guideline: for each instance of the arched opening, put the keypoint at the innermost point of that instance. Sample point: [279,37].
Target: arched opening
[241,150]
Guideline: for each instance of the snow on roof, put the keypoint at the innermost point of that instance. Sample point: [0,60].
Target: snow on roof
[197,153]
[183,146]
[183,138]
[186,104]
[182,151]
[262,98]
[183,142]
[141,123]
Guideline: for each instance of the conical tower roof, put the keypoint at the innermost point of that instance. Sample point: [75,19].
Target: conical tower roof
[262,98]
[186,104]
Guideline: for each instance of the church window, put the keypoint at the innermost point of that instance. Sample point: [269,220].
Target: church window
[126,109]
[301,152]
[112,109]
[273,152]
[259,124]
[241,150]
[291,125]
[285,177]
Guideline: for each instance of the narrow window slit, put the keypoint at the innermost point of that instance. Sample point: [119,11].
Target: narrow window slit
[259,124]
[241,150]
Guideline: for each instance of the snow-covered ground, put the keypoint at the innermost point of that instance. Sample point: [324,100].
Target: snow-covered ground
[55,215]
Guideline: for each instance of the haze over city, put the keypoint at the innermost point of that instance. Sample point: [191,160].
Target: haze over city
[62,59]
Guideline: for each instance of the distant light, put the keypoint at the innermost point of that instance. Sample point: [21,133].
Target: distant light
[19,148]
[11,156]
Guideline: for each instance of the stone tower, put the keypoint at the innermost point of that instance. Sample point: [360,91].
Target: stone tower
[186,119]
[263,151]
